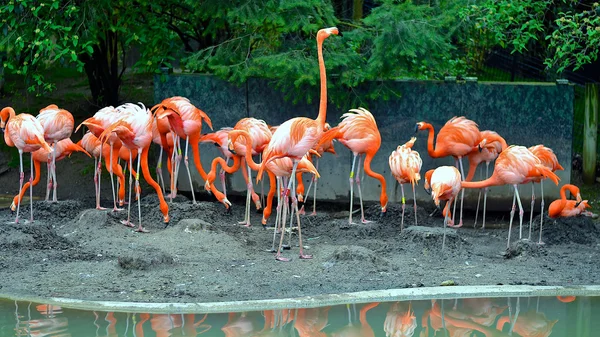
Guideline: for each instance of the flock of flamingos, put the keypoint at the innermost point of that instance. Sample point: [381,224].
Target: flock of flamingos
[288,150]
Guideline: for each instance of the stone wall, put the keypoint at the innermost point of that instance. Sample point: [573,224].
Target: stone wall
[524,114]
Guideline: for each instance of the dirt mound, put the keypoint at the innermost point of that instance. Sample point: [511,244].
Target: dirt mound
[582,230]
[525,248]
[37,235]
[64,209]
[144,259]
[393,216]
[432,237]
[354,255]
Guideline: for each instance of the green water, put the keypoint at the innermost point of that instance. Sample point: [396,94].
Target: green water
[490,317]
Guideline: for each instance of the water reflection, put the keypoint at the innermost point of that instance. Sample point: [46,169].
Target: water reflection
[489,317]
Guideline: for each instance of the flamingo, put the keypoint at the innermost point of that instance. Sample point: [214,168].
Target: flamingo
[219,139]
[569,208]
[101,120]
[400,320]
[26,133]
[58,125]
[94,147]
[358,132]
[257,131]
[295,137]
[62,149]
[186,122]
[405,165]
[445,185]
[457,138]
[548,158]
[489,148]
[514,166]
[277,169]
[162,136]
[134,129]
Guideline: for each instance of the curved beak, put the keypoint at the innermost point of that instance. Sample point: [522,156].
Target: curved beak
[480,148]
[578,202]
[416,128]
[428,191]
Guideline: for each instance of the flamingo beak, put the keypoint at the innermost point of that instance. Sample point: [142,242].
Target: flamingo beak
[428,191]
[480,148]
[416,128]
[579,202]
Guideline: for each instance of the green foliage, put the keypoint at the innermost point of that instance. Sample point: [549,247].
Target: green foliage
[276,40]
[568,30]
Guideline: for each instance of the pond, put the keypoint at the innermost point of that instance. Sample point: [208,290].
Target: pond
[490,317]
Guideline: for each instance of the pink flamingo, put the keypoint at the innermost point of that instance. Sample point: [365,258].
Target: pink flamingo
[405,165]
[95,147]
[295,137]
[24,132]
[219,139]
[445,185]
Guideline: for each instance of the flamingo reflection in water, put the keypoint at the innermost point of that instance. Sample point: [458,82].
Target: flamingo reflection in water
[51,324]
[311,322]
[400,320]
[361,330]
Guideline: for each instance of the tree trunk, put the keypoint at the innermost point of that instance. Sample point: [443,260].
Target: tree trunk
[357,10]
[590,133]
[102,69]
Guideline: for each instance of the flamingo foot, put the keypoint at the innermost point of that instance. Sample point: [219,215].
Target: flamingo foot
[128,223]
[116,209]
[365,221]
[313,213]
[100,208]
[278,257]
[541,243]
[460,224]
[305,257]
[302,211]
[141,229]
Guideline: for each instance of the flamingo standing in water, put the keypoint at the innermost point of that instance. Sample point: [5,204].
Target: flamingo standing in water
[186,122]
[457,138]
[295,137]
[445,185]
[58,125]
[490,146]
[568,208]
[24,132]
[135,131]
[62,149]
[405,165]
[514,166]
[358,132]
[548,158]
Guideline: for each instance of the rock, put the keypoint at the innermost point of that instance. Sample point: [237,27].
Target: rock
[144,259]
[195,225]
[524,248]
[448,283]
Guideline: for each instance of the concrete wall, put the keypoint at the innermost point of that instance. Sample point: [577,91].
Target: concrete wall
[524,114]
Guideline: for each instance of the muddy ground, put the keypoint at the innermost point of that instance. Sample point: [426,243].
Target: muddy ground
[72,250]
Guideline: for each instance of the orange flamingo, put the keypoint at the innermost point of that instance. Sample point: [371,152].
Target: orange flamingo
[490,146]
[358,132]
[62,148]
[97,124]
[24,132]
[405,165]
[135,131]
[400,321]
[58,125]
[94,147]
[514,166]
[363,328]
[548,158]
[445,185]
[219,139]
[457,138]
[529,324]
[295,137]
[186,121]
[310,322]
[568,208]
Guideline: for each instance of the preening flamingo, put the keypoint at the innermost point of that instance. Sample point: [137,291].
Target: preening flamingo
[358,132]
[24,132]
[135,131]
[101,120]
[186,121]
[548,158]
[219,139]
[457,138]
[514,166]
[445,185]
[58,125]
[295,137]
[62,149]
[563,208]
[490,146]
[405,165]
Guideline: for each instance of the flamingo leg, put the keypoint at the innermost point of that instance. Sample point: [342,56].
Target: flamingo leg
[30,190]
[542,215]
[187,167]
[96,180]
[278,215]
[99,180]
[316,180]
[292,211]
[286,194]
[295,203]
[21,177]
[112,181]
[512,214]
[362,210]
[352,187]
[48,178]
[178,166]
[159,175]
[137,194]
[248,177]
[222,177]
[454,209]
[478,200]
[128,221]
[446,219]
[521,212]
[485,192]
[173,167]
[262,184]
[54,198]
[415,202]
[532,205]
[403,206]
[462,193]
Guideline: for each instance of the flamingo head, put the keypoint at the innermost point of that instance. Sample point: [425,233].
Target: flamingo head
[481,144]
[5,114]
[427,185]
[324,33]
[421,126]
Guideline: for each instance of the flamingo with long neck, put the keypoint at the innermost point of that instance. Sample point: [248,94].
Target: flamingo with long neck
[563,208]
[514,166]
[295,137]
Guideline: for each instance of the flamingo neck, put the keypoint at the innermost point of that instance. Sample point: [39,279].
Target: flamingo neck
[491,181]
[323,74]
[430,140]
[249,160]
